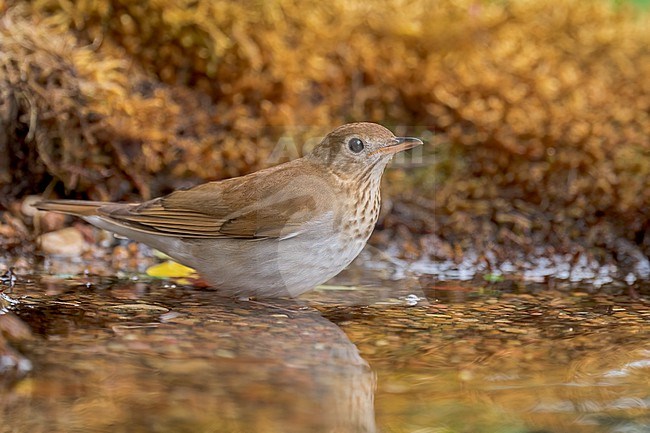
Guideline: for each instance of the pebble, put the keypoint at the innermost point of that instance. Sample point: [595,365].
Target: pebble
[65,242]
[44,221]
[511,330]
[223,353]
[27,208]
[147,308]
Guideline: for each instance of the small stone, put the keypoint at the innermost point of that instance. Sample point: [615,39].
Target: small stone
[224,353]
[51,221]
[43,221]
[137,308]
[512,330]
[65,242]
[470,320]
[441,316]
[171,315]
[27,208]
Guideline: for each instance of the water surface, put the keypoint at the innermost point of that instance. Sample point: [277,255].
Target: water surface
[359,355]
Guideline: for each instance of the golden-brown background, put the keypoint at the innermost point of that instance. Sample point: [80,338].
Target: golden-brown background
[537,113]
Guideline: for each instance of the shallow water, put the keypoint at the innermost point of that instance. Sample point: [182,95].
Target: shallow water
[413,355]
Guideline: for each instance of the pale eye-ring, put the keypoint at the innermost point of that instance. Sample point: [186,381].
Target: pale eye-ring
[356,145]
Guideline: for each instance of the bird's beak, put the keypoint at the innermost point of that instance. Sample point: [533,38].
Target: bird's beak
[399,144]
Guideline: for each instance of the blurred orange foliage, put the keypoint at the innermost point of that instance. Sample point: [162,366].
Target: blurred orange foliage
[541,110]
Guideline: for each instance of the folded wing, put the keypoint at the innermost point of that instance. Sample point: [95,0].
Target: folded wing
[267,206]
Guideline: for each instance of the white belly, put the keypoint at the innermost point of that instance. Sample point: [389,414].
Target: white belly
[262,267]
[271,267]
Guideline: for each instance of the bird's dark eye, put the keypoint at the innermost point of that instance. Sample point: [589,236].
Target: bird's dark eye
[356,145]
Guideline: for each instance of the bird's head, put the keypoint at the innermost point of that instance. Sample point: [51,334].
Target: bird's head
[360,148]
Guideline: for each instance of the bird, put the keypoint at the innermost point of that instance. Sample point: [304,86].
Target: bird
[277,232]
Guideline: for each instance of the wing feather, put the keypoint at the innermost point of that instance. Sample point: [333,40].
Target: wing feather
[266,204]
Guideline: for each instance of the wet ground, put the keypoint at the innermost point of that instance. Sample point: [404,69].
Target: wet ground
[367,352]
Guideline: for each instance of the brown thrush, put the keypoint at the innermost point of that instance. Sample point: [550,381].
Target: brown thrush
[276,232]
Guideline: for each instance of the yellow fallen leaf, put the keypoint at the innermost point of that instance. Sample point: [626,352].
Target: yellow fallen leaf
[170,269]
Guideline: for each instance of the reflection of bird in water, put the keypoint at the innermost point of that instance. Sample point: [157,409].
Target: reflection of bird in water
[321,379]
[350,402]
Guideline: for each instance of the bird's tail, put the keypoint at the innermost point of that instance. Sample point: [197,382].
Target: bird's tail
[71,207]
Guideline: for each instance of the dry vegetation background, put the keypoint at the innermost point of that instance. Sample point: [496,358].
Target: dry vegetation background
[540,110]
